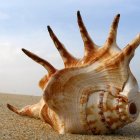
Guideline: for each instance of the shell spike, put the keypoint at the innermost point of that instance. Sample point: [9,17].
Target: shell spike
[29,110]
[68,59]
[129,50]
[88,43]
[24,111]
[12,108]
[113,32]
[41,61]
[127,53]
[43,81]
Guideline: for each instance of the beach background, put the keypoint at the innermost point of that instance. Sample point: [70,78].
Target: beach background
[23,24]
[15,127]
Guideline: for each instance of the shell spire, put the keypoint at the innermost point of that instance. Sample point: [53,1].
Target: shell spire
[68,59]
[41,61]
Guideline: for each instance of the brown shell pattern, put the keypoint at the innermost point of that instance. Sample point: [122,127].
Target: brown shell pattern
[95,94]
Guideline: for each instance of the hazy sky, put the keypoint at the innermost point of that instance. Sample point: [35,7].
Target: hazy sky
[23,24]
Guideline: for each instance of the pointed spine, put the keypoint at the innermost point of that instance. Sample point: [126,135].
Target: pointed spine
[113,32]
[68,59]
[127,53]
[29,110]
[41,61]
[26,111]
[12,108]
[88,43]
[129,50]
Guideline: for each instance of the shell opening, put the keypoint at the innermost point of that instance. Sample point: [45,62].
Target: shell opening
[132,108]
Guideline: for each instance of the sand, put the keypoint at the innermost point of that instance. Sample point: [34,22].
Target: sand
[15,127]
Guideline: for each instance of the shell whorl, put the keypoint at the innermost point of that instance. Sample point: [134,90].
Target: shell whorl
[93,94]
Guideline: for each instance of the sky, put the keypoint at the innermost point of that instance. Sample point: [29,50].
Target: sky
[23,24]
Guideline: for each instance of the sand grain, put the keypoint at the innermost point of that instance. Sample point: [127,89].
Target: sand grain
[15,127]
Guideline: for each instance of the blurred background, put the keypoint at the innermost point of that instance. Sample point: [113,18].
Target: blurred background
[23,24]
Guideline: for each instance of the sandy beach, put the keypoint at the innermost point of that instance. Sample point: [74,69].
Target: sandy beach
[15,127]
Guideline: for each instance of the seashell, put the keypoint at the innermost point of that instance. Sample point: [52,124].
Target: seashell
[96,94]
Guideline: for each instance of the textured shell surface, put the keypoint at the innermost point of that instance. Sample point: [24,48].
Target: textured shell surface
[96,94]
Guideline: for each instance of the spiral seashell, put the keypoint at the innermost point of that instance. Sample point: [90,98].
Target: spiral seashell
[96,94]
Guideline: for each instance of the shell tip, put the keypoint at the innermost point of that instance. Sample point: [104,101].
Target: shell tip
[24,50]
[48,27]
[10,107]
[138,35]
[118,15]
[138,38]
[49,30]
[78,13]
